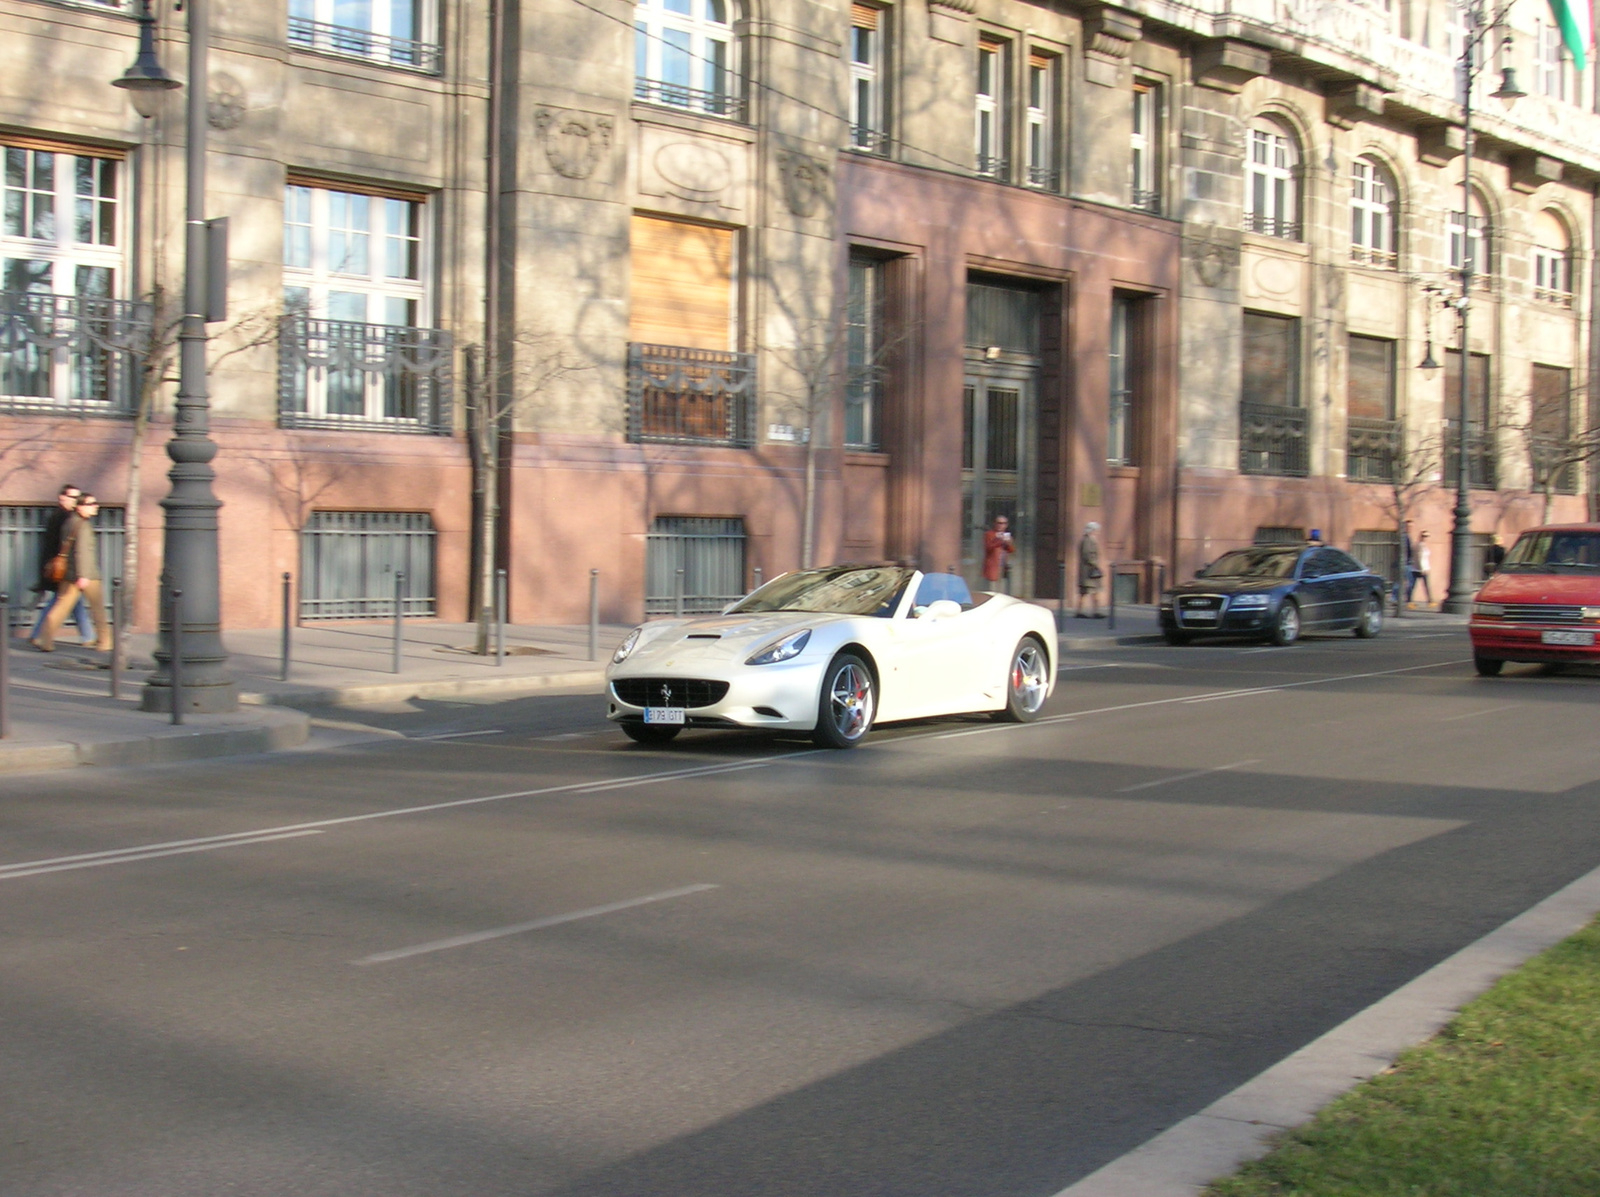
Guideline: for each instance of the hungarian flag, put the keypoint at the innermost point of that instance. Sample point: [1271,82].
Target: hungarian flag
[1577,28]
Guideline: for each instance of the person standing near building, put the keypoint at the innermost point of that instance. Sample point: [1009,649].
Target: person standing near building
[1420,565]
[998,545]
[82,580]
[1089,571]
[50,546]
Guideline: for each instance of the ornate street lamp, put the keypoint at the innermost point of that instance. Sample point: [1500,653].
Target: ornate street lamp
[191,506]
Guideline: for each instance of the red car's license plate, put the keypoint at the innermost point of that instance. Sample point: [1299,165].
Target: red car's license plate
[1576,639]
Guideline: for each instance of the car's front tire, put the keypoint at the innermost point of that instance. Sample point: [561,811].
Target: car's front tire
[847,704]
[1487,666]
[1286,626]
[651,733]
[1027,682]
[1371,621]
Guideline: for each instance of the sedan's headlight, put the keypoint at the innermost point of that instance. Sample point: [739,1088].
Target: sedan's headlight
[1493,610]
[1247,602]
[626,647]
[781,650]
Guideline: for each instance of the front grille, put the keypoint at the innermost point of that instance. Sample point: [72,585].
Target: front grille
[1200,608]
[1542,613]
[668,691]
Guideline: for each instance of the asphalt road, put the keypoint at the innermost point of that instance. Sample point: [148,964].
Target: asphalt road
[966,959]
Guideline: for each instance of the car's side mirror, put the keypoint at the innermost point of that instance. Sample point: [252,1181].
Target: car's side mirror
[941,609]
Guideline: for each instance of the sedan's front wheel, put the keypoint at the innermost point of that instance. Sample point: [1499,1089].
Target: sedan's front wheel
[1286,627]
[1488,666]
[847,703]
[1027,682]
[1371,621]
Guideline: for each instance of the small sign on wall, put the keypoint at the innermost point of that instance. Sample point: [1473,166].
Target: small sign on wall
[789,433]
[1091,495]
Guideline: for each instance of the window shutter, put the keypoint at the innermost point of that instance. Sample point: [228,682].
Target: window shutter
[682,292]
[863,16]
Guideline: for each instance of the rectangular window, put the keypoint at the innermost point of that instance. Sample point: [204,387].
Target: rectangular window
[1551,281]
[868,39]
[1041,122]
[1468,236]
[1477,387]
[1370,384]
[356,347]
[1555,68]
[684,56]
[864,344]
[395,33]
[1143,146]
[1121,441]
[1271,360]
[989,133]
[1554,456]
[1480,438]
[349,561]
[693,564]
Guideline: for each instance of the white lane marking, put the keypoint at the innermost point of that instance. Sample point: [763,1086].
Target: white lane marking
[461,941]
[1162,702]
[1245,652]
[27,867]
[568,736]
[1162,781]
[125,857]
[1473,714]
[461,735]
[629,782]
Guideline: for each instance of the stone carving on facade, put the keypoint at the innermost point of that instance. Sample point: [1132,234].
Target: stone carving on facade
[693,170]
[227,103]
[1111,35]
[1213,254]
[805,182]
[964,6]
[574,142]
[948,19]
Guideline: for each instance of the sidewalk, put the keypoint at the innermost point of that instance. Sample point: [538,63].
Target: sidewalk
[62,714]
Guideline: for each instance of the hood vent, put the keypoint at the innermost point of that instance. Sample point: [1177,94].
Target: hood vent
[704,636]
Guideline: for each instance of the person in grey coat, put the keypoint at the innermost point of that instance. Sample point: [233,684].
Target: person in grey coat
[1089,571]
[82,580]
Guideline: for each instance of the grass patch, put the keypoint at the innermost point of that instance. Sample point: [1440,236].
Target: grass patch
[1504,1102]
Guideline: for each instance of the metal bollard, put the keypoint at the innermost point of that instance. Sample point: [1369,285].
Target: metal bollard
[283,664]
[175,648]
[1061,603]
[116,639]
[5,669]
[757,585]
[594,615]
[500,604]
[399,616]
[677,595]
[1111,602]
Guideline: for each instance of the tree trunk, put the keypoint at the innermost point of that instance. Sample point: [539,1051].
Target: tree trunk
[808,532]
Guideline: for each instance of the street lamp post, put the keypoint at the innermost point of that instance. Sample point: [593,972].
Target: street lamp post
[1458,598]
[191,558]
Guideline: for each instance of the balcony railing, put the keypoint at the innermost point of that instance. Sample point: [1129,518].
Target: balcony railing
[724,103]
[364,377]
[347,41]
[1370,449]
[71,353]
[1557,459]
[1146,201]
[1365,255]
[691,396]
[1045,178]
[1561,299]
[1273,440]
[866,140]
[1272,226]
[1481,473]
[989,167]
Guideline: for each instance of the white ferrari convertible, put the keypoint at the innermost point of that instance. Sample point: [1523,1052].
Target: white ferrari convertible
[833,651]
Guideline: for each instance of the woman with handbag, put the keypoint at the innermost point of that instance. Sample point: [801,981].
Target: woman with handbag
[52,564]
[1089,572]
[82,578]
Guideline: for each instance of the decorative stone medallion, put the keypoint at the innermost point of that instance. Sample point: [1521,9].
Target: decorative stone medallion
[805,182]
[227,103]
[574,142]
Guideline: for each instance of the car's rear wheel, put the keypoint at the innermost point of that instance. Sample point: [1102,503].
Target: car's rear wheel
[1175,637]
[1286,627]
[1027,682]
[1488,666]
[650,733]
[847,704]
[1371,621]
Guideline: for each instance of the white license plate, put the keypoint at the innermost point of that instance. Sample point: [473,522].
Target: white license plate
[663,714]
[1585,639]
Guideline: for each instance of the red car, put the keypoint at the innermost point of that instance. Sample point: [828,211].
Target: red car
[1543,604]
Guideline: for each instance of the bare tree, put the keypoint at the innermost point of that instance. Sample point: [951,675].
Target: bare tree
[1557,448]
[1413,468]
[497,391]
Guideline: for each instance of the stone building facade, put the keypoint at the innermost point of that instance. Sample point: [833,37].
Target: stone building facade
[742,287]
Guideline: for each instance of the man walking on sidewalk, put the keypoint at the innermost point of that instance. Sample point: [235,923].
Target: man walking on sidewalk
[82,580]
[50,546]
[1089,572]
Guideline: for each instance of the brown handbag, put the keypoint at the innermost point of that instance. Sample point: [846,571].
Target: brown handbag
[55,569]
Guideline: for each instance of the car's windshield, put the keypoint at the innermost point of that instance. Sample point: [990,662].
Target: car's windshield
[1254,563]
[1554,552]
[839,589]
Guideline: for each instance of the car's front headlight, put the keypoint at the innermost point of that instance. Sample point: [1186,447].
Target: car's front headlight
[1248,602]
[781,650]
[626,647]
[1493,610]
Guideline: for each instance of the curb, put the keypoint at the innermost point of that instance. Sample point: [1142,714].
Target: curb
[278,729]
[354,696]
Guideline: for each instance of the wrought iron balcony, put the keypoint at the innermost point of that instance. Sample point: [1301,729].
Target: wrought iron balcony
[347,41]
[1556,458]
[866,140]
[989,167]
[364,377]
[1274,440]
[1365,255]
[71,353]
[1370,449]
[723,103]
[1272,226]
[1146,201]
[691,396]
[1481,472]
[1045,178]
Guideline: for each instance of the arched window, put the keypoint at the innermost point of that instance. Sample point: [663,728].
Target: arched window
[1373,237]
[684,55]
[1469,236]
[1552,260]
[1272,169]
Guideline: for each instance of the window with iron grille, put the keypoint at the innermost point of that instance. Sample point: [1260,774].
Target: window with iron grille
[989,110]
[1554,456]
[684,56]
[1372,223]
[1379,550]
[349,559]
[1040,121]
[869,33]
[1372,434]
[1273,427]
[693,564]
[395,33]
[1272,168]
[22,545]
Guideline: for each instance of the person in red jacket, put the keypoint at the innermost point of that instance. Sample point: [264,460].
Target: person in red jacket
[998,546]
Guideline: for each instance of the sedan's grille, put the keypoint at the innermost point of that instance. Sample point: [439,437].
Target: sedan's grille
[1542,613]
[668,691]
[1200,608]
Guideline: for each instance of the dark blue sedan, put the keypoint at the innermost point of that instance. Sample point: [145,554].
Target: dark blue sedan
[1275,592]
